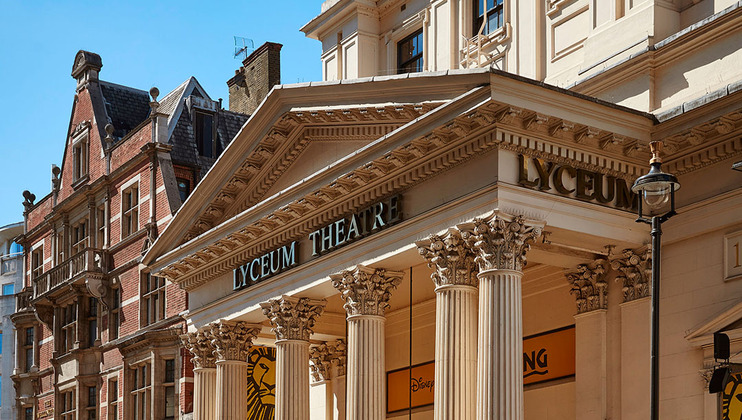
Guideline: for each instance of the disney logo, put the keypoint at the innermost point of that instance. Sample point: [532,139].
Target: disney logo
[420,384]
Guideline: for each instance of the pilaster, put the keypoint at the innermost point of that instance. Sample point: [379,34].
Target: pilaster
[590,289]
[292,320]
[327,371]
[366,292]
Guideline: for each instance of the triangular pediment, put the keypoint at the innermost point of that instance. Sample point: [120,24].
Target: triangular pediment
[729,320]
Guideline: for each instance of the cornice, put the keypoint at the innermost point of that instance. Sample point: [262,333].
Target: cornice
[283,144]
[453,142]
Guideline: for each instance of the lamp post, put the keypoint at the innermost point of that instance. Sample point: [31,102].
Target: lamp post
[657,195]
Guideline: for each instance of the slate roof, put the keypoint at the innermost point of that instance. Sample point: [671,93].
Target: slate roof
[183,139]
[126,107]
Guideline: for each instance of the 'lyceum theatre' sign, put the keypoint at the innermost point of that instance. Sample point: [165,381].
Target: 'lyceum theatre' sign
[325,239]
[539,174]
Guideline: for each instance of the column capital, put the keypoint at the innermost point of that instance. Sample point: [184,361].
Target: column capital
[199,344]
[451,257]
[292,318]
[635,269]
[366,290]
[589,286]
[500,241]
[232,339]
[326,356]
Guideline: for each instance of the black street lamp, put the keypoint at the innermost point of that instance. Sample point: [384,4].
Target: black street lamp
[657,195]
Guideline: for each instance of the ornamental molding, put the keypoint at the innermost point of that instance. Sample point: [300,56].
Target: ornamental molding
[589,286]
[366,290]
[327,360]
[282,145]
[232,339]
[451,259]
[634,269]
[489,126]
[200,346]
[293,318]
[501,241]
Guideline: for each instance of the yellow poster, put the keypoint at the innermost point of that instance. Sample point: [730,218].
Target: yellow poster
[731,398]
[549,355]
[407,389]
[261,383]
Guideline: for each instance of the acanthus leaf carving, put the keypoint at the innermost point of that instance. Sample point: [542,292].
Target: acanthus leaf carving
[293,318]
[635,271]
[366,290]
[327,360]
[501,241]
[199,345]
[451,258]
[232,339]
[589,286]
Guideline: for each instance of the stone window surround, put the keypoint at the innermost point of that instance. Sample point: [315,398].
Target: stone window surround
[80,144]
[131,213]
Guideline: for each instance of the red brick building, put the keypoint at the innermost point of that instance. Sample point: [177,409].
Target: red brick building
[97,336]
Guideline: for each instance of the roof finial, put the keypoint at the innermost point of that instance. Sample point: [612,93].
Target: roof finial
[656,148]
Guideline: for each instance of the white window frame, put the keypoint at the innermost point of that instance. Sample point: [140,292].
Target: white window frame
[127,229]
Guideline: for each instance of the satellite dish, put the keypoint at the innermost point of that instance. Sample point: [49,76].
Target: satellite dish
[243,46]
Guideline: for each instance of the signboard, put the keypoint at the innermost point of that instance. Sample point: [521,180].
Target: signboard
[583,184]
[261,383]
[731,398]
[549,355]
[325,239]
[407,389]
[733,256]
[546,356]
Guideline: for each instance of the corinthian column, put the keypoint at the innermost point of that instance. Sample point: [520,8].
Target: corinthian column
[292,319]
[455,324]
[204,374]
[500,242]
[232,342]
[366,292]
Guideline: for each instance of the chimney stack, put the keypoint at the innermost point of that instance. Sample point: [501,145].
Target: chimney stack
[259,72]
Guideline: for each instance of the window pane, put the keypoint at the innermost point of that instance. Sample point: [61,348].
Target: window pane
[29,336]
[8,289]
[170,370]
[170,402]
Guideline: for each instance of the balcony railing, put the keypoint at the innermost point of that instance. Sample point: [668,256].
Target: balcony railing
[23,300]
[90,260]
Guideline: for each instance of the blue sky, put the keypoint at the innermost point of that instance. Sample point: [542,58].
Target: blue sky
[142,44]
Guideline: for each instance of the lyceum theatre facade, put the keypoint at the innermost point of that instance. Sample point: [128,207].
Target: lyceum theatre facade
[453,244]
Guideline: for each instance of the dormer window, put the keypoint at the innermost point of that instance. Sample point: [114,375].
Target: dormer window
[203,127]
[488,16]
[79,158]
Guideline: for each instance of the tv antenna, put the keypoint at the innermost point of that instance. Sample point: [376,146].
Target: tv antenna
[243,46]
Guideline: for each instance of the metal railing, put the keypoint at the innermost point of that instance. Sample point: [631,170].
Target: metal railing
[88,260]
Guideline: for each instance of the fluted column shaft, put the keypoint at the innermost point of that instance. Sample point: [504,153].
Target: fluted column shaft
[232,342]
[231,389]
[500,358]
[455,324]
[204,388]
[292,319]
[366,381]
[455,352]
[292,380]
[366,292]
[500,242]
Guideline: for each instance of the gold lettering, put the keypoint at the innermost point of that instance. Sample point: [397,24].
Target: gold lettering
[544,169]
[559,179]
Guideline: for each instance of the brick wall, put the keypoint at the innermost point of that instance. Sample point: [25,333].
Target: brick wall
[260,71]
